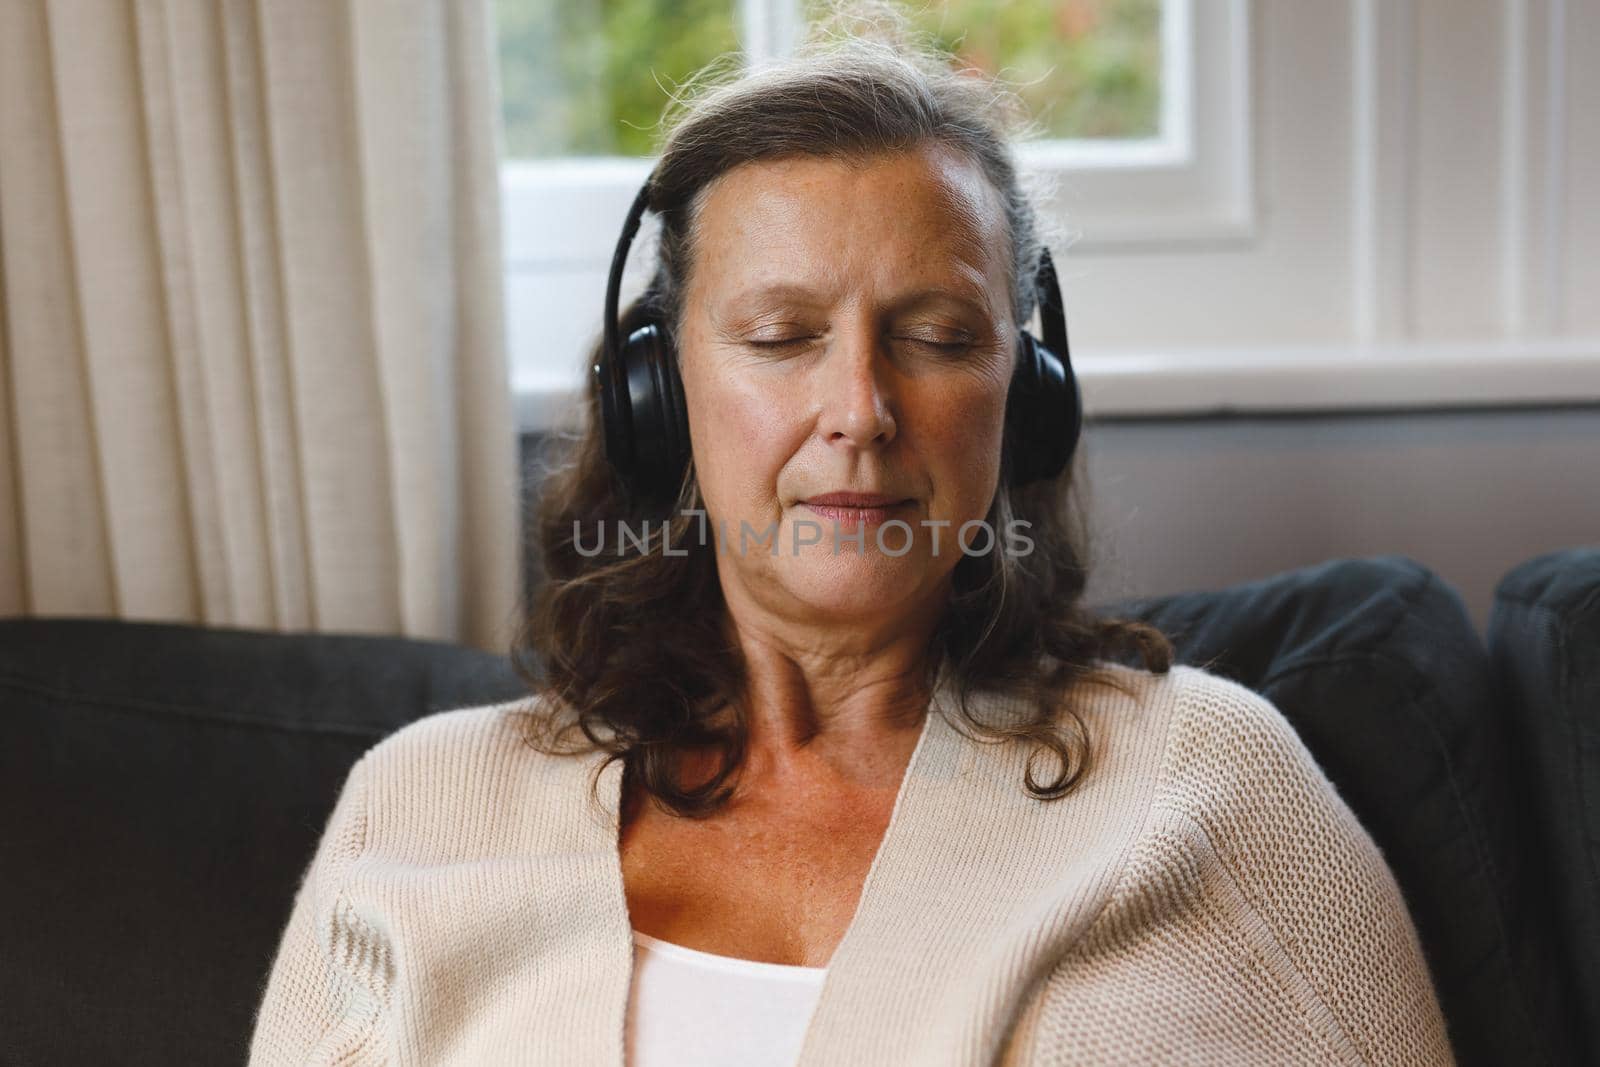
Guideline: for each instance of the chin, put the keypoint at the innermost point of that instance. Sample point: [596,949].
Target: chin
[852,585]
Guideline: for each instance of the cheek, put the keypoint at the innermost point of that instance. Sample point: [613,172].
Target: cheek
[737,432]
[964,433]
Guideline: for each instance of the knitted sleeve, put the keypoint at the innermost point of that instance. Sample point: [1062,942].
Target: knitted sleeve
[330,976]
[1240,774]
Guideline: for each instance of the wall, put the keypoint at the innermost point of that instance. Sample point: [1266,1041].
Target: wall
[1203,503]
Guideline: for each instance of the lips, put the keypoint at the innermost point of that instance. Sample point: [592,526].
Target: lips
[855,500]
[849,509]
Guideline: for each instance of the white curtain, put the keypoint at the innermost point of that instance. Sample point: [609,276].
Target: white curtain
[252,361]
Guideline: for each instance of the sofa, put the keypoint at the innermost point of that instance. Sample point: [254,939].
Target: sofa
[163,787]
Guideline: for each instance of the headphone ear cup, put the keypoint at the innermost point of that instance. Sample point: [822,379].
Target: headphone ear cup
[616,418]
[680,446]
[652,437]
[673,418]
[1044,414]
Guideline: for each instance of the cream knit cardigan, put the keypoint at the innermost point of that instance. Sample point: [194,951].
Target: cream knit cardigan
[1204,896]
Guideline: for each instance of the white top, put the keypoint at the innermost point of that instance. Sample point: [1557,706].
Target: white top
[691,1007]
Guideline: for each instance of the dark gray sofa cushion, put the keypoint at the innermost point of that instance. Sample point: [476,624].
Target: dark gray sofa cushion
[1377,665]
[162,789]
[1544,645]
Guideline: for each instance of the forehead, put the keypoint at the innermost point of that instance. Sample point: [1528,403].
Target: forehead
[921,207]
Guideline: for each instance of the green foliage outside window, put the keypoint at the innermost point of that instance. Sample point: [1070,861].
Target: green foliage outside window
[1085,68]
[592,79]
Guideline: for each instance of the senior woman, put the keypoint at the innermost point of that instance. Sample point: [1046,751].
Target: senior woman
[795,804]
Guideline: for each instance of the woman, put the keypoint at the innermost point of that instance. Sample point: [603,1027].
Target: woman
[826,828]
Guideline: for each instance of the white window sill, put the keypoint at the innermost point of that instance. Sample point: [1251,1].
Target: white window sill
[1289,378]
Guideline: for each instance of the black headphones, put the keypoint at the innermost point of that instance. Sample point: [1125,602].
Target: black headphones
[647,428]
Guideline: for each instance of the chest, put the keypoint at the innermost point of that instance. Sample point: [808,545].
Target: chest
[764,885]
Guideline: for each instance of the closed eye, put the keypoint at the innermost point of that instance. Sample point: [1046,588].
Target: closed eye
[788,343]
[942,346]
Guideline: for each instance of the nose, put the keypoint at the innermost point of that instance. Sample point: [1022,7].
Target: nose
[856,390]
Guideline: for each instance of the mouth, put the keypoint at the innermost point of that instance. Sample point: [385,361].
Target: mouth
[850,509]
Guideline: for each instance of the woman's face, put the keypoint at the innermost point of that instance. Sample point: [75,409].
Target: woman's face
[847,329]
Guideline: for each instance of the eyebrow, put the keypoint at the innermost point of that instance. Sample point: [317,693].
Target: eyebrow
[801,294]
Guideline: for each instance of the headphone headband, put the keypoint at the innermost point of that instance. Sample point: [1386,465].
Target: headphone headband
[619,259]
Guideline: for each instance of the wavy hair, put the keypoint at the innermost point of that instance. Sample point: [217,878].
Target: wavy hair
[630,650]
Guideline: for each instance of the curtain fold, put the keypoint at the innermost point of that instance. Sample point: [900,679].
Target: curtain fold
[251,323]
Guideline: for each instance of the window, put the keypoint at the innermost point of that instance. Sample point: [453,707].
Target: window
[589,80]
[583,86]
[1272,205]
[586,80]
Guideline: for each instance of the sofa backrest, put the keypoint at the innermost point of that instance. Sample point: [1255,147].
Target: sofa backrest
[162,790]
[1544,648]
